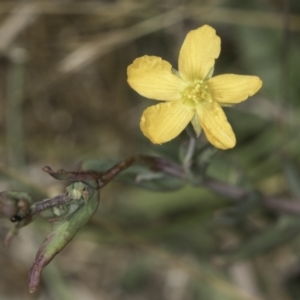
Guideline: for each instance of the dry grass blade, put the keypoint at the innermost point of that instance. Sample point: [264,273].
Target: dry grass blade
[89,52]
[70,7]
[21,17]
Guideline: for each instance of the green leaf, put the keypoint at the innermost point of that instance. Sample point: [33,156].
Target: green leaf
[236,214]
[203,158]
[60,235]
[292,176]
[273,237]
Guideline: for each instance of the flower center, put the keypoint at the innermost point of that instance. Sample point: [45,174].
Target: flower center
[196,92]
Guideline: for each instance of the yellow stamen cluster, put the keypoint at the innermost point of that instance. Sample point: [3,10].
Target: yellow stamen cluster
[195,92]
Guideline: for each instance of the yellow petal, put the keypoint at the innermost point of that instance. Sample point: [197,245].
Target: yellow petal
[215,125]
[163,122]
[198,53]
[231,88]
[152,77]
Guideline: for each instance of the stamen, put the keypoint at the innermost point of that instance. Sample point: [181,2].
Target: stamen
[196,92]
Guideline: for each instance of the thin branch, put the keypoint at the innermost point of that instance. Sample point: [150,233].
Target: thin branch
[283,205]
[48,203]
[290,206]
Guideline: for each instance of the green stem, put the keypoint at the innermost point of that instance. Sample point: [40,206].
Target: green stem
[14,120]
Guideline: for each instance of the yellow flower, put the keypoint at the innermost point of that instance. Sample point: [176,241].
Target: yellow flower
[190,94]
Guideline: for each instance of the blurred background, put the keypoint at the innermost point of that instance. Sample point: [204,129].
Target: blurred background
[64,99]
